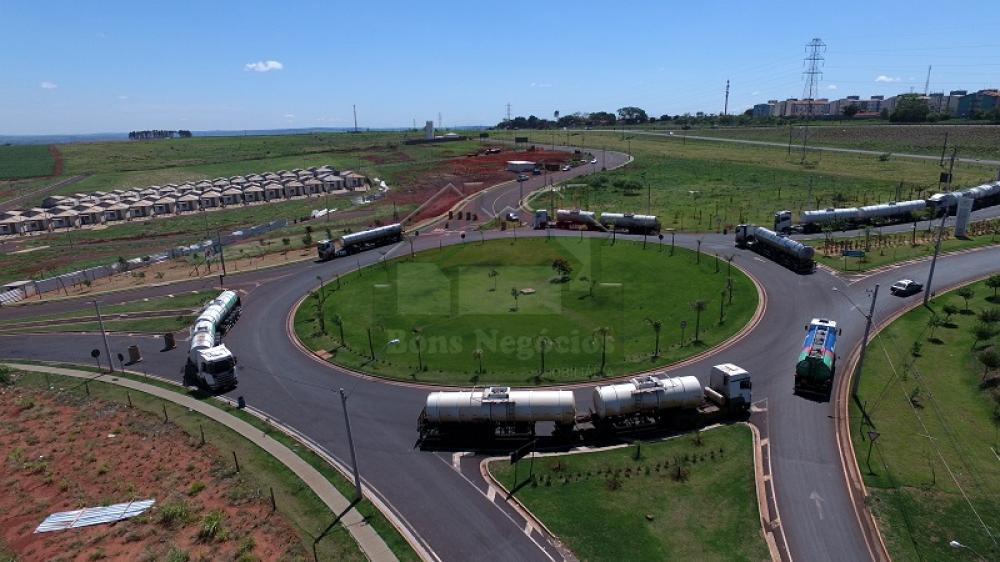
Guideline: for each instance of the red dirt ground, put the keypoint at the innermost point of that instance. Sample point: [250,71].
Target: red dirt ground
[62,453]
[469,174]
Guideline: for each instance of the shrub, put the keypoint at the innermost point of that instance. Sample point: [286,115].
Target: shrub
[175,513]
[196,487]
[5,376]
[177,555]
[211,526]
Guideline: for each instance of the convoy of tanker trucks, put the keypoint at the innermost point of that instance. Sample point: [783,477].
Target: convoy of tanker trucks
[644,402]
[210,364]
[791,253]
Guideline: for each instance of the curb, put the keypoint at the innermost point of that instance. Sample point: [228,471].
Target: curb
[857,489]
[369,542]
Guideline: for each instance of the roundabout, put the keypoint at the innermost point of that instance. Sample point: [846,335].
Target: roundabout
[525,312]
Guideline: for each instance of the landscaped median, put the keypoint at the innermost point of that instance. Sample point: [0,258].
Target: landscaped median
[930,456]
[308,491]
[527,311]
[883,249]
[688,498]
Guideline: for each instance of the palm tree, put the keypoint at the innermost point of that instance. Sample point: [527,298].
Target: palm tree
[990,360]
[418,338]
[966,293]
[493,274]
[339,321]
[603,332]
[515,293]
[657,326]
[477,354]
[543,343]
[933,323]
[698,307]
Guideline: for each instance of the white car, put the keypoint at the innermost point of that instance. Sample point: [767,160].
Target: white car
[905,287]
[566,168]
[593,160]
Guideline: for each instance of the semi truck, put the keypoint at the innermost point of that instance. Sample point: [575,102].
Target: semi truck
[210,364]
[359,241]
[817,362]
[644,402]
[792,254]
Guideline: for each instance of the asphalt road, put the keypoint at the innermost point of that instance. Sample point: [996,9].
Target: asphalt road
[446,508]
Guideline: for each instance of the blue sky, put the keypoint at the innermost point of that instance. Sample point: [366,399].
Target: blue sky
[78,67]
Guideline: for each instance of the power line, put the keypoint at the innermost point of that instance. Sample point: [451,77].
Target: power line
[813,74]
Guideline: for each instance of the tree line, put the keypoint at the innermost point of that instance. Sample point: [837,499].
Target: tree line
[158,134]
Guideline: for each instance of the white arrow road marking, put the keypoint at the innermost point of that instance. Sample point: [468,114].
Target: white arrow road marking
[491,494]
[818,500]
[456,460]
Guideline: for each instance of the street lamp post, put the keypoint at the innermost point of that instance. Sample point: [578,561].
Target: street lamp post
[350,441]
[937,250]
[957,545]
[104,334]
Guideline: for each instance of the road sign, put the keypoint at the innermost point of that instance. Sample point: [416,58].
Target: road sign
[853,253]
[95,353]
[684,324]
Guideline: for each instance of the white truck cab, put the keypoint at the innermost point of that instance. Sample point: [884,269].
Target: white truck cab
[729,386]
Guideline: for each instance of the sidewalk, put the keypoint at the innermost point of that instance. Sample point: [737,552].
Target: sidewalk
[368,540]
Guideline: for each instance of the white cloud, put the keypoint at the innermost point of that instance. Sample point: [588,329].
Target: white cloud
[263,66]
[884,78]
[541,85]
[46,85]
[831,87]
[123,97]
[289,116]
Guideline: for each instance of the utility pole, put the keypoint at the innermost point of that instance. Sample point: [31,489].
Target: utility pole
[508,111]
[440,126]
[937,250]
[350,441]
[813,74]
[927,83]
[725,108]
[355,108]
[104,334]
[222,258]
[864,344]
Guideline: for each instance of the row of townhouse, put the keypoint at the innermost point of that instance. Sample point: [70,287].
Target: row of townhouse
[80,210]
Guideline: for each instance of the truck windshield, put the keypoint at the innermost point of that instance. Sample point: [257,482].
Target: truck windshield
[220,366]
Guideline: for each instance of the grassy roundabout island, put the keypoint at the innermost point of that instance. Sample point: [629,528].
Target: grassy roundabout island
[528,311]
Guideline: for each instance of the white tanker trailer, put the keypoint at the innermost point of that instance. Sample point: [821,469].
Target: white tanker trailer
[210,364]
[633,224]
[496,411]
[644,401]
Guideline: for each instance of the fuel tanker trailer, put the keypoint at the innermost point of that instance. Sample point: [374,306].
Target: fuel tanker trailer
[210,364]
[359,241]
[817,363]
[791,253]
[495,412]
[651,400]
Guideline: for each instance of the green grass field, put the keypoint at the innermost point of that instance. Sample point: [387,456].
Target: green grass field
[442,306]
[972,141]
[934,473]
[706,186]
[680,500]
[25,161]
[156,325]
[884,249]
[305,510]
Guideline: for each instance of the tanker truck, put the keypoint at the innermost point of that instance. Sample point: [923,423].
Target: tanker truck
[210,364]
[817,363]
[359,241]
[644,402]
[792,254]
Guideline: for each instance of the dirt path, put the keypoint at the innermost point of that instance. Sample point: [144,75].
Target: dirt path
[57,168]
[20,201]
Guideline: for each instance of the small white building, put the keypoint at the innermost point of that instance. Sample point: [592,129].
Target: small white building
[520,166]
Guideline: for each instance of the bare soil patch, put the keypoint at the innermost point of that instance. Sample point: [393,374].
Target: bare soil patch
[62,453]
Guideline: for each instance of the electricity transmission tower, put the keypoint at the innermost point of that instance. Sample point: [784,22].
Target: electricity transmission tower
[813,73]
